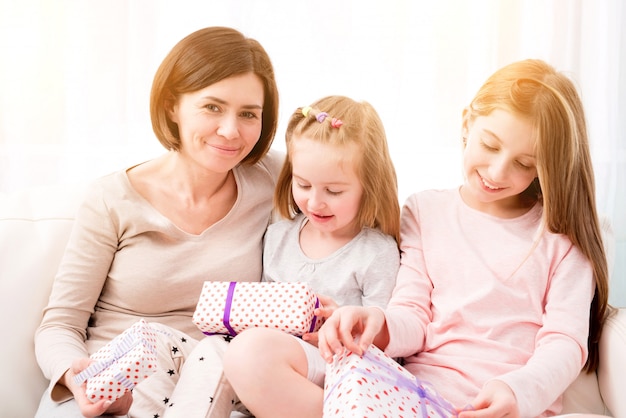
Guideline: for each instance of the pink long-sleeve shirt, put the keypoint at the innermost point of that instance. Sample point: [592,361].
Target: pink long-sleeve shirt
[479,297]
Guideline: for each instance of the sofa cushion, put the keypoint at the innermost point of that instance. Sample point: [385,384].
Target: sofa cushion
[583,395]
[34,227]
[612,374]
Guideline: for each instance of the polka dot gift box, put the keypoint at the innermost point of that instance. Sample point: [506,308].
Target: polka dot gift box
[374,386]
[121,364]
[231,307]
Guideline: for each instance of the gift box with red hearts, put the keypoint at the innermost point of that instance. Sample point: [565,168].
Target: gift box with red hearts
[375,385]
[121,364]
[231,307]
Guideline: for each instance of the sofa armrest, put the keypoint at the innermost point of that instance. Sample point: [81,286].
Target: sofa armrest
[612,368]
[35,224]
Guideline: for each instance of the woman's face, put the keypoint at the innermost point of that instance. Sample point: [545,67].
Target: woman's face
[498,162]
[220,124]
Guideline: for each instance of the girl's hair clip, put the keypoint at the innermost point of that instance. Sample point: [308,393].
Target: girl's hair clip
[321,117]
[336,123]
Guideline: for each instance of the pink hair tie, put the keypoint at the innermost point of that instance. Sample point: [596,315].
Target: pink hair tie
[321,117]
[336,123]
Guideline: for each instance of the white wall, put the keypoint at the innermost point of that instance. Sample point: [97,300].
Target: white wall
[75,77]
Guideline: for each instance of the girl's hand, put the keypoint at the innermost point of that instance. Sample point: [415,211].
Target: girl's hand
[87,408]
[328,306]
[352,327]
[495,400]
[326,309]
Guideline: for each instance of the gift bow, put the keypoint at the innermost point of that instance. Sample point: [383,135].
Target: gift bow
[119,347]
[413,385]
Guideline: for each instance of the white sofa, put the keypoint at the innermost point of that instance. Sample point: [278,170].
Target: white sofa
[34,227]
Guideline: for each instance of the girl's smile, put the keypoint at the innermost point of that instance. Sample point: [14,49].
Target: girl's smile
[499,163]
[326,187]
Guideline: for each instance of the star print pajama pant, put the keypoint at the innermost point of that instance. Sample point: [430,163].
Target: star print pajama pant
[189,382]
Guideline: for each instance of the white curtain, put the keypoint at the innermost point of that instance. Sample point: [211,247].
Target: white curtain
[75,77]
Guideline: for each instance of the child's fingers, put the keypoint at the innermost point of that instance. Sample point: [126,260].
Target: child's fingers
[328,306]
[324,312]
[349,333]
[332,336]
[327,302]
[327,341]
[351,327]
[311,338]
[372,323]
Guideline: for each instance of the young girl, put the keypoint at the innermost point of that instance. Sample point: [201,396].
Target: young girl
[493,296]
[337,191]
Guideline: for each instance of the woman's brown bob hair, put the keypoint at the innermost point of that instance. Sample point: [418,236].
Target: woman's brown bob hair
[204,58]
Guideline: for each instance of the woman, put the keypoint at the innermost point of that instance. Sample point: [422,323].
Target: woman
[146,238]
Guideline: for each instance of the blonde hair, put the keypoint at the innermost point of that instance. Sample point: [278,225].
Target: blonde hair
[205,57]
[534,90]
[361,126]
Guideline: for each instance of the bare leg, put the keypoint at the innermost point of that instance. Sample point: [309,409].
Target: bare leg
[268,369]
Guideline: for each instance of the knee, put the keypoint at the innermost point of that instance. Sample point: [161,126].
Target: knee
[236,354]
[245,349]
[255,348]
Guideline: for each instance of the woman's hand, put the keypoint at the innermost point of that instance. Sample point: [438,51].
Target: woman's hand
[352,327]
[87,408]
[495,400]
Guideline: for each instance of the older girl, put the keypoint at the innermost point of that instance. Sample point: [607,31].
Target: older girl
[502,288]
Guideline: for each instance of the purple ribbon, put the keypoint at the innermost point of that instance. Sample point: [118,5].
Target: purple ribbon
[314,320]
[124,381]
[119,346]
[229,303]
[422,389]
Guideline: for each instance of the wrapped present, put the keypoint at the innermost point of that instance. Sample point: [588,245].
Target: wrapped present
[121,364]
[231,307]
[374,385]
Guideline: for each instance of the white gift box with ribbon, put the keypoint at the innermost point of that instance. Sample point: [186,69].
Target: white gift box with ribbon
[375,385]
[121,364]
[231,307]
